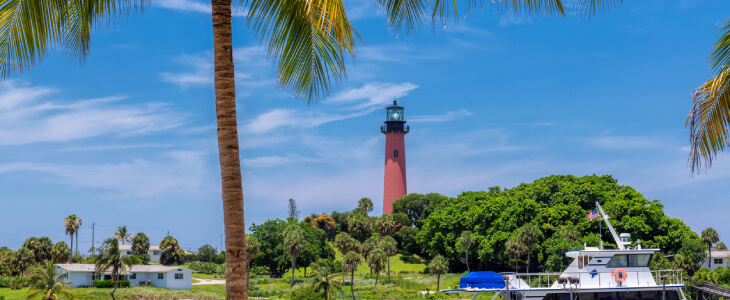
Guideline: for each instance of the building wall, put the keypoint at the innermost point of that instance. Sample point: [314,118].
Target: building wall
[155,258]
[168,281]
[77,279]
[185,283]
[395,170]
[714,266]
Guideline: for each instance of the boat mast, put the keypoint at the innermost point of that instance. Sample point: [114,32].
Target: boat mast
[613,232]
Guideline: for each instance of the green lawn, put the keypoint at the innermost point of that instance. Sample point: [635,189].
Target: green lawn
[199,292]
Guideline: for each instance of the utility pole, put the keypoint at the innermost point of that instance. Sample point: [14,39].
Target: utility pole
[168,233]
[93,248]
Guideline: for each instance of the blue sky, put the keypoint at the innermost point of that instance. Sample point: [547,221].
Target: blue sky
[128,138]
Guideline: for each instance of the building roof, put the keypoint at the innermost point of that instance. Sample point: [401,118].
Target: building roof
[134,269]
[720,254]
[129,248]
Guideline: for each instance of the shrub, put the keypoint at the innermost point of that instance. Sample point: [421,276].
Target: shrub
[144,258]
[17,283]
[99,283]
[207,267]
[305,294]
[5,281]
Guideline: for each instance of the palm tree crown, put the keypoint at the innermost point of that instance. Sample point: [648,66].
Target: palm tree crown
[293,244]
[123,235]
[323,280]
[438,265]
[110,260]
[709,236]
[70,224]
[44,280]
[350,262]
[365,204]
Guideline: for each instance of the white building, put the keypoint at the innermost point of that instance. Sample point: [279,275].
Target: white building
[177,278]
[719,259]
[154,252]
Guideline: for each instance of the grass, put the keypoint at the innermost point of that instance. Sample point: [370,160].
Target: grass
[199,292]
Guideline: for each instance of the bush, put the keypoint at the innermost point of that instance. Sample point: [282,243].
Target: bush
[144,258]
[5,281]
[305,294]
[99,283]
[17,283]
[207,267]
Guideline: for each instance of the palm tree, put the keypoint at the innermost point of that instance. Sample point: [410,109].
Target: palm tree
[709,236]
[514,249]
[390,247]
[376,262]
[709,118]
[123,235]
[529,235]
[386,225]
[365,204]
[369,246]
[358,226]
[350,262]
[720,247]
[346,244]
[110,260]
[438,265]
[466,241]
[70,224]
[293,244]
[252,248]
[60,252]
[309,39]
[324,281]
[23,259]
[45,281]
[78,227]
[171,251]
[140,243]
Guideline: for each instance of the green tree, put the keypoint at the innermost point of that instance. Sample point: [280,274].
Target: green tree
[365,204]
[390,247]
[418,206]
[529,235]
[386,225]
[172,254]
[659,262]
[358,226]
[407,238]
[207,253]
[60,252]
[22,260]
[123,235]
[376,262]
[465,242]
[720,247]
[346,244]
[369,246]
[110,260]
[140,243]
[271,255]
[692,256]
[252,249]
[44,281]
[351,262]
[293,244]
[70,224]
[324,280]
[40,247]
[514,249]
[709,236]
[438,265]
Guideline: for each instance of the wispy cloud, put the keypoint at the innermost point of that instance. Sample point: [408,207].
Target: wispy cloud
[441,118]
[199,69]
[375,94]
[201,75]
[174,172]
[28,120]
[116,147]
[291,118]
[626,142]
[192,6]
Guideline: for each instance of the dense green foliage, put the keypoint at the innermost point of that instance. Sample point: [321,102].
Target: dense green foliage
[171,254]
[108,283]
[40,247]
[418,206]
[549,203]
[140,243]
[207,253]
[46,282]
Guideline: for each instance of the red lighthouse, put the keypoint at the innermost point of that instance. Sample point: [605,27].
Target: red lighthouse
[395,129]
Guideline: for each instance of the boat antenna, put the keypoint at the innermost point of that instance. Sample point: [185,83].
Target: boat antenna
[613,232]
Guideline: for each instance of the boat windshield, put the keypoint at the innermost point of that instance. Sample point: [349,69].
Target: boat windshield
[629,260]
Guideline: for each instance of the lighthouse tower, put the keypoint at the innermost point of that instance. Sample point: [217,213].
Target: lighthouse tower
[395,129]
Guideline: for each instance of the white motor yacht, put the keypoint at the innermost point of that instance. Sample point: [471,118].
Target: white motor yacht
[594,274]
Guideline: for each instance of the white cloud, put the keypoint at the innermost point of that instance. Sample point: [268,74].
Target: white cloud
[512,19]
[116,147]
[626,142]
[193,6]
[376,94]
[291,118]
[28,120]
[200,67]
[441,118]
[202,74]
[176,172]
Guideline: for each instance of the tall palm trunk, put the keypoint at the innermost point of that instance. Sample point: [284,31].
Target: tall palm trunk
[77,244]
[352,284]
[438,282]
[293,264]
[709,251]
[71,258]
[467,261]
[228,152]
[529,251]
[388,269]
[377,275]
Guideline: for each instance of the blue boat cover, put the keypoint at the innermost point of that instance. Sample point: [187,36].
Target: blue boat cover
[482,280]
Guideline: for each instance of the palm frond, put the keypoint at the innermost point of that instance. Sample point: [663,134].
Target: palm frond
[708,121]
[29,28]
[408,13]
[592,8]
[720,57]
[308,39]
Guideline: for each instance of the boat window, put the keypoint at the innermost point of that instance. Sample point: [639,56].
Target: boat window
[638,295]
[629,260]
[583,261]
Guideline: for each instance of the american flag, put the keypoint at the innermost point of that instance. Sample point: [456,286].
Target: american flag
[594,214]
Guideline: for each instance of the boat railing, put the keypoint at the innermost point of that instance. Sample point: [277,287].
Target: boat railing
[593,279]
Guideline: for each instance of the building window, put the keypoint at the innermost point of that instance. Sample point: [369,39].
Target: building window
[129,253]
[395,153]
[160,275]
[156,253]
[178,276]
[717,261]
[133,276]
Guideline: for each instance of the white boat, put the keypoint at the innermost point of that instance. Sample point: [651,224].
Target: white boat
[594,274]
